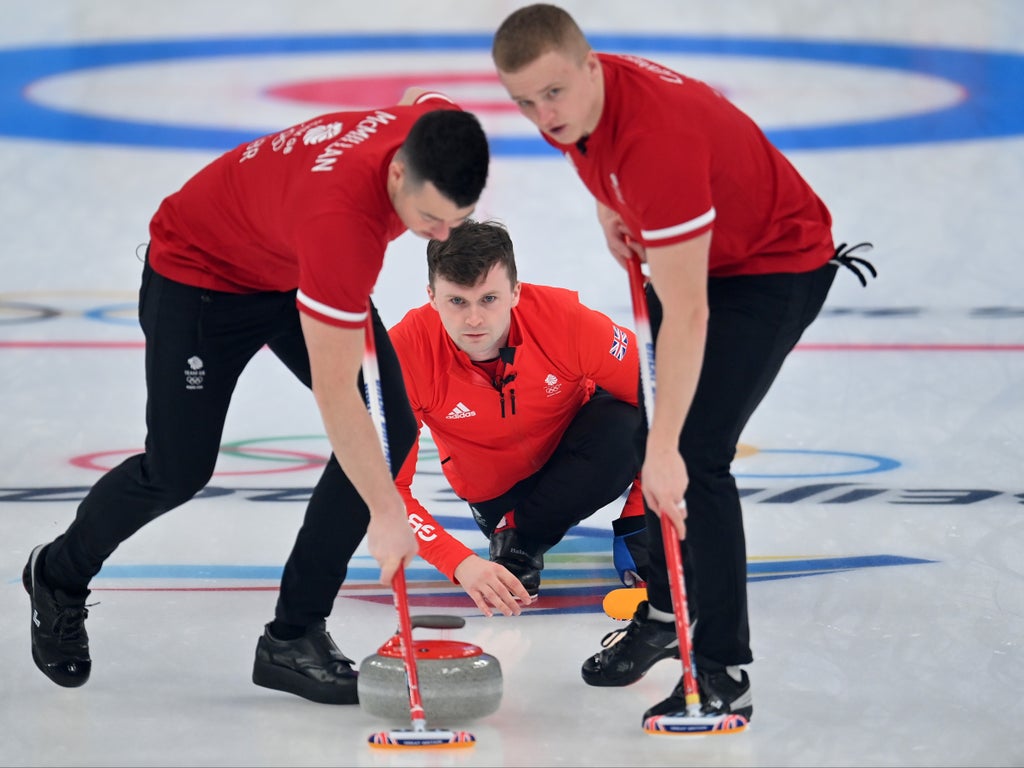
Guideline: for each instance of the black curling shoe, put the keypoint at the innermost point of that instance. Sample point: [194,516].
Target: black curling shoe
[60,644]
[629,653]
[311,666]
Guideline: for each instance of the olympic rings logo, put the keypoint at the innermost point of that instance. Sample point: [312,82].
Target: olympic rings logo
[830,463]
[284,459]
[37,306]
[279,455]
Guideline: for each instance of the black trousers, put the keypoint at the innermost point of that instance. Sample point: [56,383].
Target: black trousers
[197,344]
[595,462]
[755,321]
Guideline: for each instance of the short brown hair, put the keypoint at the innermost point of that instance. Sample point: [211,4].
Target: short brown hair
[532,31]
[469,253]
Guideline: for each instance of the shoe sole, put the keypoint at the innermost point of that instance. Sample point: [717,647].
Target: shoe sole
[77,674]
[289,681]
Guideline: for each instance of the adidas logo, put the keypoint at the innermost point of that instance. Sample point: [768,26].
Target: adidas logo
[460,411]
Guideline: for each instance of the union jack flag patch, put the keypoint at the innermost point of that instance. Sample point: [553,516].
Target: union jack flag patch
[620,341]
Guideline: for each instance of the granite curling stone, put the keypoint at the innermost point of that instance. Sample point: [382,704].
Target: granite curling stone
[458,681]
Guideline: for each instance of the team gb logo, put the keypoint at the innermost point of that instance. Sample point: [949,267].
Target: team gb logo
[321,133]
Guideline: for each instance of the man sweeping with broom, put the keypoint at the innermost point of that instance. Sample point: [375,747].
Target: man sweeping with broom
[740,256]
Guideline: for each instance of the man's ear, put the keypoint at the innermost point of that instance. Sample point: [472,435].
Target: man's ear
[396,172]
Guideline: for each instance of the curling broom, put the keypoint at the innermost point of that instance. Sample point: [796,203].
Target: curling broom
[418,736]
[693,721]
